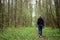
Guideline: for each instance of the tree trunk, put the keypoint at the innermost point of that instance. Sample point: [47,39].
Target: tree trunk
[15,13]
[9,13]
[57,6]
[1,14]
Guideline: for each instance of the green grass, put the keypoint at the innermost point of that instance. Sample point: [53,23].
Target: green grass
[29,33]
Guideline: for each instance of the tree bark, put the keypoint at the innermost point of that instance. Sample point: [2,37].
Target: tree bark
[9,13]
[15,13]
[57,6]
[2,14]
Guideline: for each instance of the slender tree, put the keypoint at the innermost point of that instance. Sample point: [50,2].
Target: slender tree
[15,13]
[9,13]
[0,12]
[0,15]
[20,13]
[57,6]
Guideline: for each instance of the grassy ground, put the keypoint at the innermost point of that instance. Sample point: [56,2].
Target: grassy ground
[29,33]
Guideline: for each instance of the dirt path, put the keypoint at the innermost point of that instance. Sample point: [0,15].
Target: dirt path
[43,38]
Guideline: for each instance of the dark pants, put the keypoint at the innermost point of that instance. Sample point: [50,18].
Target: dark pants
[40,30]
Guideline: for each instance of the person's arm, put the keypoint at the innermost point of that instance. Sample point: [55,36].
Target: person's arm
[43,22]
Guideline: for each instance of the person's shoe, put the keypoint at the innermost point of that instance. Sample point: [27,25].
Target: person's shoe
[40,36]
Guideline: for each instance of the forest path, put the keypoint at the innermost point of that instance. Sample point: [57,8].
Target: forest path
[43,38]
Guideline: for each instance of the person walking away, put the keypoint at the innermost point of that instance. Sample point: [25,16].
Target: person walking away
[40,24]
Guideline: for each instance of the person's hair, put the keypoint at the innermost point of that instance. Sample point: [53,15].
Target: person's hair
[39,16]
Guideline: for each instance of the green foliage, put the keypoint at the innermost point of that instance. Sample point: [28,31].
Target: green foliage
[29,33]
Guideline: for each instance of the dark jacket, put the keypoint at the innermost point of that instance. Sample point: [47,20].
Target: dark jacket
[40,21]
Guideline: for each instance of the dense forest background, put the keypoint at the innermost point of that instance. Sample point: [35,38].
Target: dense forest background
[24,13]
